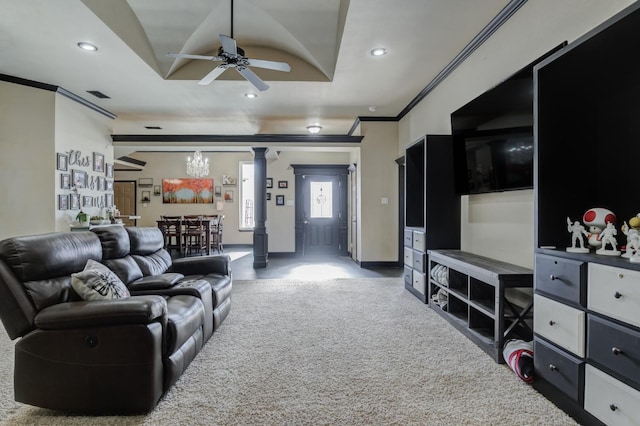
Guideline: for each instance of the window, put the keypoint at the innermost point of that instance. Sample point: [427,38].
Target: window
[246,195]
[321,200]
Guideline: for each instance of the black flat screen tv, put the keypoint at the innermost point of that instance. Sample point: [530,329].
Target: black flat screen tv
[493,136]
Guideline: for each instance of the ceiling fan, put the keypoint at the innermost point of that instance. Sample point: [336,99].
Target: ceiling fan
[233,57]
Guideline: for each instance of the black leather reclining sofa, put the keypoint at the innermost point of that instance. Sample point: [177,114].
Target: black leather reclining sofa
[115,356]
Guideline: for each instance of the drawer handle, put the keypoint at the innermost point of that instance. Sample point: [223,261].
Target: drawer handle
[616,351]
[613,407]
[551,322]
[617,295]
[552,367]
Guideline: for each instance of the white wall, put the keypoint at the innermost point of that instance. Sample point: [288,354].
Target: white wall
[81,129]
[501,225]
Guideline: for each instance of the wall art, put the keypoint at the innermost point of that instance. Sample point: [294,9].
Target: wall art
[146,196]
[268,196]
[187,191]
[108,170]
[65,181]
[98,162]
[283,184]
[87,201]
[78,178]
[279,200]
[228,196]
[108,200]
[74,201]
[228,180]
[63,202]
[269,182]
[156,190]
[61,161]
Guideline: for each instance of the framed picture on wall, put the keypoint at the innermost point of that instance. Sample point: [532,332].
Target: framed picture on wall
[108,170]
[102,183]
[156,190]
[62,161]
[268,196]
[65,181]
[218,191]
[269,182]
[74,201]
[63,202]
[279,200]
[108,200]
[98,162]
[283,184]
[87,201]
[79,178]
[228,196]
[109,185]
[146,196]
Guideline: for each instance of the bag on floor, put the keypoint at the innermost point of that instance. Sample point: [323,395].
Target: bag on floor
[518,354]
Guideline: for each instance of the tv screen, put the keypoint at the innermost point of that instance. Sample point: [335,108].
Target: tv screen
[498,160]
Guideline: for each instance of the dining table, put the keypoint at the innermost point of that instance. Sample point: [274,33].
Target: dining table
[208,223]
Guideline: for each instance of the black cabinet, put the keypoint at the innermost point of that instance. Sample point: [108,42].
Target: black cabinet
[432,208]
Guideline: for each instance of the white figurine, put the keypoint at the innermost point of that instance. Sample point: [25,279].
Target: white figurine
[632,231]
[609,237]
[577,231]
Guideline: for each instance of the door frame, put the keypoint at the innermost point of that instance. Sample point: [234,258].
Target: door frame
[339,170]
[135,194]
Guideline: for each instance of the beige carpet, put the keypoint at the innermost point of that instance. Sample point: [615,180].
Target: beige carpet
[338,352]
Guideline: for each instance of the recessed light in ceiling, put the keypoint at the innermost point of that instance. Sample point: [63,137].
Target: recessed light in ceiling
[314,129]
[250,95]
[372,109]
[87,46]
[378,51]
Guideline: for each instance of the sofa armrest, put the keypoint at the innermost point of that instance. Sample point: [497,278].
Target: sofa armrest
[130,310]
[155,282]
[219,264]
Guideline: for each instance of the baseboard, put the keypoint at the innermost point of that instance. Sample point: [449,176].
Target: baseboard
[376,265]
[282,254]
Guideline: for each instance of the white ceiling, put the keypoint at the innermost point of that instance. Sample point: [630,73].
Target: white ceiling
[334,79]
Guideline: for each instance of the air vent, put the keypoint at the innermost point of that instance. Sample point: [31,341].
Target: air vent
[153,127]
[98,94]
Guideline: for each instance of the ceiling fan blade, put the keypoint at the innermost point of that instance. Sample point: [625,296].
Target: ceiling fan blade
[252,78]
[271,65]
[185,56]
[228,45]
[215,73]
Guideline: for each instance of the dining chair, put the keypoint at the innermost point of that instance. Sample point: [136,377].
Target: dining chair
[195,236]
[212,221]
[172,230]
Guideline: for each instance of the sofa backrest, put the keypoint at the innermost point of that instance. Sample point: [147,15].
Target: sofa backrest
[133,252]
[35,272]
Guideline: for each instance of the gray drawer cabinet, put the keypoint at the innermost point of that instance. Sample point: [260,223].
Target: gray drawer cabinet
[414,263]
[587,336]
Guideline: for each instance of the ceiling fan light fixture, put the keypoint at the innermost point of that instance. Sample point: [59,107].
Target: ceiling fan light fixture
[314,129]
[378,51]
[250,95]
[87,46]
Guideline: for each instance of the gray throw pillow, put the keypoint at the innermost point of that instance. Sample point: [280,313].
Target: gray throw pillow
[97,282]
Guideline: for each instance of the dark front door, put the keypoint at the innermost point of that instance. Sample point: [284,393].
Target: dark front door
[321,210]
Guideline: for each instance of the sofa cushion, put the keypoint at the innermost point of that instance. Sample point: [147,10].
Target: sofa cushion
[153,264]
[145,240]
[97,282]
[185,315]
[114,240]
[125,268]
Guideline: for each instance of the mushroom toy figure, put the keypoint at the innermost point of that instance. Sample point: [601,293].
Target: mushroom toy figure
[596,220]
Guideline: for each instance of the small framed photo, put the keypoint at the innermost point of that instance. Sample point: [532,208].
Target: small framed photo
[283,184]
[156,190]
[63,202]
[228,180]
[145,181]
[146,196]
[109,185]
[108,200]
[228,196]
[87,201]
[102,183]
[62,162]
[79,178]
[74,201]
[279,200]
[108,170]
[269,182]
[98,162]
[218,191]
[268,196]
[65,181]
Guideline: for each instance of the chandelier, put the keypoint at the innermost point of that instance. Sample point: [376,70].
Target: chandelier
[197,167]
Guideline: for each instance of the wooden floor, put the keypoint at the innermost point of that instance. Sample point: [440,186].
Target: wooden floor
[308,267]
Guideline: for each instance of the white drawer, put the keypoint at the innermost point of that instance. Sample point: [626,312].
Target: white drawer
[562,324]
[418,240]
[419,282]
[408,256]
[610,400]
[614,292]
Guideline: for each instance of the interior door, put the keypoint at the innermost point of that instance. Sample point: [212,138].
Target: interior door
[124,194]
[321,209]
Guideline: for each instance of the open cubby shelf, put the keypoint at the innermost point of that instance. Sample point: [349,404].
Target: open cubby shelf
[476,304]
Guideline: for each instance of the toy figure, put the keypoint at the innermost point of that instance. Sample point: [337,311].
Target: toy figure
[597,219]
[608,236]
[577,231]
[632,231]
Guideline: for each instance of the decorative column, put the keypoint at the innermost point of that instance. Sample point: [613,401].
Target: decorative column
[260,237]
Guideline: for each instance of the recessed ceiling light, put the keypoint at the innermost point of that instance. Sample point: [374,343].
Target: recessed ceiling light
[378,51]
[313,129]
[87,46]
[372,108]
[250,95]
